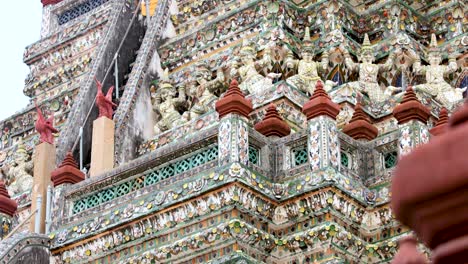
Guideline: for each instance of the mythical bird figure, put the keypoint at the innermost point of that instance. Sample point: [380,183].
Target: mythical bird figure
[104,103]
[45,127]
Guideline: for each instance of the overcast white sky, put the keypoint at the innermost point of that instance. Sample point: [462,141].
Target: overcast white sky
[20,25]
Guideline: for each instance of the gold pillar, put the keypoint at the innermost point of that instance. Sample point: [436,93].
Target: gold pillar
[44,164]
[102,148]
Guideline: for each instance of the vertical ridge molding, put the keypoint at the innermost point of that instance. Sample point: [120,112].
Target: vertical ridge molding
[137,81]
[120,17]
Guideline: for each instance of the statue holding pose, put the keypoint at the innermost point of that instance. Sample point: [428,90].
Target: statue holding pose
[368,72]
[19,175]
[203,91]
[252,81]
[166,105]
[307,69]
[435,84]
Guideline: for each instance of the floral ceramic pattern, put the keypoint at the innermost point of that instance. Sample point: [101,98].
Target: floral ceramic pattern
[314,145]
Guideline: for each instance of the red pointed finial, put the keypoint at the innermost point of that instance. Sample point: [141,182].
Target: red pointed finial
[441,124]
[411,109]
[360,127]
[234,101]
[50,2]
[272,124]
[67,172]
[8,206]
[320,104]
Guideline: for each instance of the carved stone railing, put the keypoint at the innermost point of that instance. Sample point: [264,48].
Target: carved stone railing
[25,247]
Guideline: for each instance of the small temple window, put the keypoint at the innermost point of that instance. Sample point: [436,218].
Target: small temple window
[79,10]
[390,159]
[254,155]
[299,156]
[345,160]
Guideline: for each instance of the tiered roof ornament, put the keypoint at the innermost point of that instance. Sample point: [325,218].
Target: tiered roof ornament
[67,172]
[234,101]
[320,104]
[441,124]
[360,127]
[411,109]
[8,206]
[273,124]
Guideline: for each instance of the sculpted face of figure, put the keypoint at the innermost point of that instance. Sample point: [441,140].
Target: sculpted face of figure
[247,58]
[166,94]
[434,59]
[307,56]
[202,77]
[367,57]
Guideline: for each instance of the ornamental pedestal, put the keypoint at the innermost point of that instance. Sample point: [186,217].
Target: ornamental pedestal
[44,164]
[102,149]
[412,119]
[323,145]
[233,137]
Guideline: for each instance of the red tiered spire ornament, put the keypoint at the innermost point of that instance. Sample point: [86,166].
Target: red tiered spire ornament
[441,124]
[67,172]
[410,109]
[272,124]
[320,104]
[8,206]
[234,101]
[50,2]
[360,127]
[429,190]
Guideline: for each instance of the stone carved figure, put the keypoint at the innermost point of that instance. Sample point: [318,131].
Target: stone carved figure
[166,105]
[104,103]
[19,174]
[252,81]
[368,72]
[203,91]
[435,84]
[45,127]
[307,69]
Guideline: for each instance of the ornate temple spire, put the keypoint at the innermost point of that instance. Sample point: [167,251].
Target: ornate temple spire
[234,101]
[320,104]
[8,206]
[366,45]
[411,109]
[273,124]
[360,127]
[67,172]
[441,124]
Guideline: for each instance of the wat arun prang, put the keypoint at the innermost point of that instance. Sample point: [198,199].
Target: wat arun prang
[237,132]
